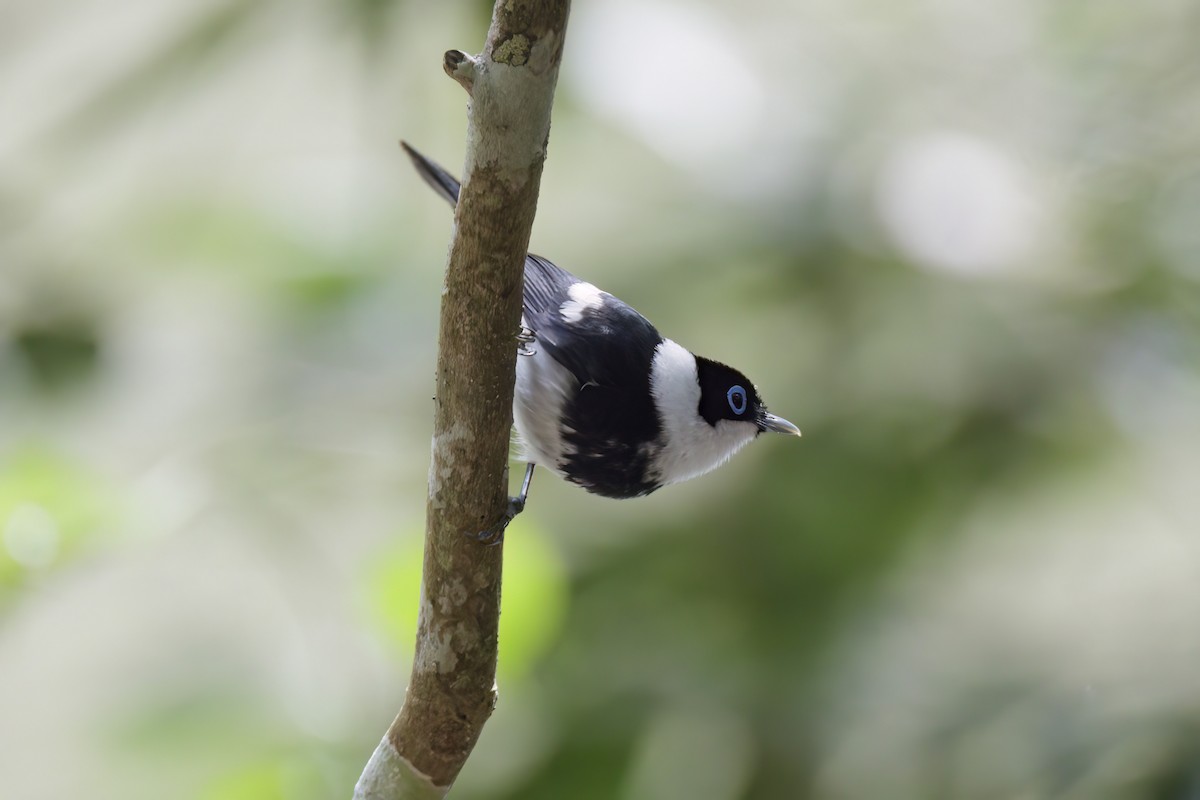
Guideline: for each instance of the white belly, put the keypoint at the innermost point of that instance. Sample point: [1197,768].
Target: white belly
[542,389]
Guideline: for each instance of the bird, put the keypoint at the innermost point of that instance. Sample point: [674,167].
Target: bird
[602,399]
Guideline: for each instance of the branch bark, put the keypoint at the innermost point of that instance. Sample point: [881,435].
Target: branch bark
[451,692]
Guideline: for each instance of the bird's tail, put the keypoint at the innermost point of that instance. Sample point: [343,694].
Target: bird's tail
[442,182]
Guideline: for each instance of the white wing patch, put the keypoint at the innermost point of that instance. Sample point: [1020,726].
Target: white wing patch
[583,296]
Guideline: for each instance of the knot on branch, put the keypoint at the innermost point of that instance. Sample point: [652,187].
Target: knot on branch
[462,67]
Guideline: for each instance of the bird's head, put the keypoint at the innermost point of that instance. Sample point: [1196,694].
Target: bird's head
[708,411]
[727,395]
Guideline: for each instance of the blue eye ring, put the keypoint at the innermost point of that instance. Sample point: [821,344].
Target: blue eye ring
[737,399]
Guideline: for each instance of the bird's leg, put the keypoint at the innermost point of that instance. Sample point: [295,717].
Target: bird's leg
[525,337]
[495,534]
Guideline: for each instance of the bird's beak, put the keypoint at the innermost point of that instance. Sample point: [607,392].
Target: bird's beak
[770,422]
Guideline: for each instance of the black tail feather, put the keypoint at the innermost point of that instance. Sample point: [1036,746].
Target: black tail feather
[442,182]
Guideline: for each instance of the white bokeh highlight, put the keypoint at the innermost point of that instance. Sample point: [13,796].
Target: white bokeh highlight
[958,205]
[670,77]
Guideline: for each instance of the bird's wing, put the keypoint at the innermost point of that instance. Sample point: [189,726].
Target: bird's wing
[609,346]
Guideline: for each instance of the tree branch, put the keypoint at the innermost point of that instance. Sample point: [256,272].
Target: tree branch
[452,691]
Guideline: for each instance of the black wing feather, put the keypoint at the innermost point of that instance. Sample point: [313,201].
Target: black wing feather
[546,289]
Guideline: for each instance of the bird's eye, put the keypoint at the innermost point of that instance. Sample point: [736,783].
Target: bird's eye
[737,399]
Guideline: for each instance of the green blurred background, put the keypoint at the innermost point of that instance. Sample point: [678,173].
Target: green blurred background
[957,242]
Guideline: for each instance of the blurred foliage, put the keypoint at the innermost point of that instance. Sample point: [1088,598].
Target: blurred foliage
[52,508]
[57,356]
[532,605]
[955,242]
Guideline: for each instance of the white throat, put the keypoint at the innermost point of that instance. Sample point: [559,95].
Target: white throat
[691,446]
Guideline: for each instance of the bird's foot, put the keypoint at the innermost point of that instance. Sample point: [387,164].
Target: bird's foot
[495,534]
[525,337]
